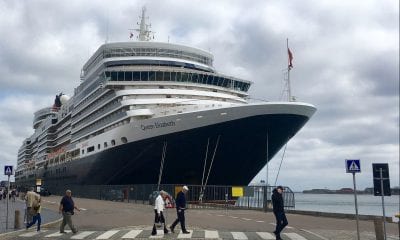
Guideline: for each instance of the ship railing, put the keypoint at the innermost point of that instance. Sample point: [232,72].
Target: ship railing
[213,196]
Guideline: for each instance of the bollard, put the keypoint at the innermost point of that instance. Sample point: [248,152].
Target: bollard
[378,229]
[16,220]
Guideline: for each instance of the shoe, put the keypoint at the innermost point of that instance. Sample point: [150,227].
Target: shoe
[172,229]
[185,232]
[165,231]
[62,232]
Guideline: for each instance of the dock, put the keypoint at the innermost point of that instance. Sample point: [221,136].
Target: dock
[99,219]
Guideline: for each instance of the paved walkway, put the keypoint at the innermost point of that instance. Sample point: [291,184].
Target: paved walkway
[145,233]
[118,220]
[48,215]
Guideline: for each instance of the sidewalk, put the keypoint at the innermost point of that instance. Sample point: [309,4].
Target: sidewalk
[115,219]
[47,215]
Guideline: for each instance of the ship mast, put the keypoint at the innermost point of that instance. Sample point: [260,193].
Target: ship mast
[144,33]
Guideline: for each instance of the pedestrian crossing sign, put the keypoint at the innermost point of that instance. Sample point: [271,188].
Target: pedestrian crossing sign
[8,170]
[353,166]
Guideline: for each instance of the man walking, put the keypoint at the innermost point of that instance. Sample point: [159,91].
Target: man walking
[279,212]
[67,207]
[36,217]
[31,200]
[180,210]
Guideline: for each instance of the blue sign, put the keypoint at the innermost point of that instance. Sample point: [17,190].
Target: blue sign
[353,166]
[8,170]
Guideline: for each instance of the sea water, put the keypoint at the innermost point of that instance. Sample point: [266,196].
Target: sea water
[344,203]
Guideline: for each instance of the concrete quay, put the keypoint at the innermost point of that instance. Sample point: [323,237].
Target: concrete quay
[120,220]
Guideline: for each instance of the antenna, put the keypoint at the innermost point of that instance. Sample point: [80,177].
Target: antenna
[107,28]
[144,33]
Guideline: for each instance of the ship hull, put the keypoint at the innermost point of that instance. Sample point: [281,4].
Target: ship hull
[232,151]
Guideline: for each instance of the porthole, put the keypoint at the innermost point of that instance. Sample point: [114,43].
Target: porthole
[124,140]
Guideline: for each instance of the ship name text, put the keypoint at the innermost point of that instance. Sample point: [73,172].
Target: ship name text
[157,125]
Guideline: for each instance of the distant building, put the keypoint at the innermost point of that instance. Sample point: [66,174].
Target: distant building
[320,191]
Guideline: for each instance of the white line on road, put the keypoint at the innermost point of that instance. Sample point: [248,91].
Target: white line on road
[266,235]
[57,234]
[233,217]
[260,221]
[239,235]
[83,209]
[246,219]
[294,236]
[160,234]
[211,234]
[181,235]
[132,234]
[107,234]
[220,215]
[82,235]
[317,235]
[31,234]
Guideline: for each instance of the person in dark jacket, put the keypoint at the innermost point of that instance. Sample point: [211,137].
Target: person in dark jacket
[180,210]
[67,206]
[279,212]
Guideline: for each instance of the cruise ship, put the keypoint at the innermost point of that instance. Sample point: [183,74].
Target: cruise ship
[151,112]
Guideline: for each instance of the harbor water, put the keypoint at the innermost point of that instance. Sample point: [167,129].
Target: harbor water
[344,203]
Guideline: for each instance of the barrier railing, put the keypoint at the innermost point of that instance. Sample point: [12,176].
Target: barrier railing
[245,197]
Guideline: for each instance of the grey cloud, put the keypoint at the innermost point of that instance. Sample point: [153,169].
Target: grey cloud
[341,65]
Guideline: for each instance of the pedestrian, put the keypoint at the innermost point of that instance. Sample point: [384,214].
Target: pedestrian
[13,194]
[67,207]
[279,212]
[36,217]
[1,194]
[31,200]
[158,212]
[180,210]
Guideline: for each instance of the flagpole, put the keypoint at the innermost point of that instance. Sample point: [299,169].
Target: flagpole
[289,67]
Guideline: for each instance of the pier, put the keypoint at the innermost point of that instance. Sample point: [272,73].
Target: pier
[101,219]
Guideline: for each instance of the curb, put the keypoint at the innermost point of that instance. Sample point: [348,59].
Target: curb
[22,230]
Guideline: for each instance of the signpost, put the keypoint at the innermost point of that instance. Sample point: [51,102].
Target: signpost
[8,170]
[380,172]
[353,166]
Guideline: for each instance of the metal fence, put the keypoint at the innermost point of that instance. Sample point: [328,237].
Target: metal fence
[253,197]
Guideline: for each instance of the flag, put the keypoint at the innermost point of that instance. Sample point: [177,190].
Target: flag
[290,58]
[131,35]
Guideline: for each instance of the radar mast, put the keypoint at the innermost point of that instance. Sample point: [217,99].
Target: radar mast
[144,33]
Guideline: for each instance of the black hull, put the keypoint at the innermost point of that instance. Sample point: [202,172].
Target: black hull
[241,153]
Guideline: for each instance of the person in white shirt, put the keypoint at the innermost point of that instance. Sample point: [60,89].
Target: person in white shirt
[158,211]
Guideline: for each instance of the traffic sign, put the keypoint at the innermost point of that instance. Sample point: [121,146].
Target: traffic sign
[8,170]
[377,169]
[353,166]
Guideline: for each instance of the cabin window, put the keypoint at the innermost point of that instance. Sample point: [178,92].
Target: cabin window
[90,149]
[98,146]
[113,142]
[105,144]
[124,140]
[83,151]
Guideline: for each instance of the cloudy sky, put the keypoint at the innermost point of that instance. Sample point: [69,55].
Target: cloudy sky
[346,63]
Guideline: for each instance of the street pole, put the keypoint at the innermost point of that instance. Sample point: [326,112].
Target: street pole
[383,204]
[8,192]
[355,202]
